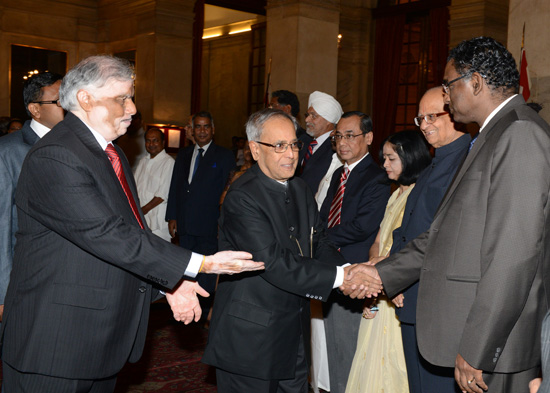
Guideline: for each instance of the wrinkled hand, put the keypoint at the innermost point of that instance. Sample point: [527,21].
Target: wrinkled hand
[534,385]
[398,300]
[361,281]
[464,373]
[185,303]
[230,262]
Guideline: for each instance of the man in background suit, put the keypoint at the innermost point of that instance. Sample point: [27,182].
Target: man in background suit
[483,264]
[288,102]
[199,177]
[450,146]
[260,324]
[314,161]
[41,98]
[353,232]
[85,263]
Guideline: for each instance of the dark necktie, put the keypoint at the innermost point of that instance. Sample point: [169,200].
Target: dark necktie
[117,166]
[309,152]
[472,142]
[336,205]
[197,162]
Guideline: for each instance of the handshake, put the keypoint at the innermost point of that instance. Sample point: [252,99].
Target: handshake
[361,280]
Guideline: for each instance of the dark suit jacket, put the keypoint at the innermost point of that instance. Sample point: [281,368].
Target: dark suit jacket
[78,301]
[422,204]
[363,208]
[258,318]
[196,206]
[484,263]
[13,150]
[317,165]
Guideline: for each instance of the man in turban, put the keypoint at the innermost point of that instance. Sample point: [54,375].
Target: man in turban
[322,115]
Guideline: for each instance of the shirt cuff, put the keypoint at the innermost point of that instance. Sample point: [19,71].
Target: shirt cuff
[339,280]
[194,265]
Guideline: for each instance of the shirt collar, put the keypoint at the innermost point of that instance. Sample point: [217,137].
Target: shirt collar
[350,167]
[205,147]
[321,139]
[493,113]
[39,128]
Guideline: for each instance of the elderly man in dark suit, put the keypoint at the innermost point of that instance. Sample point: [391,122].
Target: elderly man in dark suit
[199,178]
[352,211]
[85,263]
[41,98]
[483,264]
[260,324]
[451,146]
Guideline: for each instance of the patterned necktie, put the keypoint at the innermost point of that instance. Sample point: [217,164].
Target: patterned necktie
[117,166]
[197,161]
[309,152]
[336,205]
[472,142]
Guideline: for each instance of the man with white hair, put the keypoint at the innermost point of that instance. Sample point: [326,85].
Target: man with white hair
[86,266]
[322,115]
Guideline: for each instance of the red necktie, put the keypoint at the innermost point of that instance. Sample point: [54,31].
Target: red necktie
[309,152]
[336,205]
[117,166]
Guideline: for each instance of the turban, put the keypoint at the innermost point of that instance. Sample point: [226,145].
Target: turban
[326,106]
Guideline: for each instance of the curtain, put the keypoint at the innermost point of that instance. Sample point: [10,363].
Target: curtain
[439,34]
[387,59]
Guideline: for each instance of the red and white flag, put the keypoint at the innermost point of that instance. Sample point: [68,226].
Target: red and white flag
[524,80]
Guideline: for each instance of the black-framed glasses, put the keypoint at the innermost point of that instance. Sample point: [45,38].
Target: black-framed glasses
[446,85]
[429,118]
[282,147]
[347,137]
[56,102]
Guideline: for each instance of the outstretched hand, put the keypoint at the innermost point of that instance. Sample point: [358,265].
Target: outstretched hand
[361,281]
[230,262]
[184,301]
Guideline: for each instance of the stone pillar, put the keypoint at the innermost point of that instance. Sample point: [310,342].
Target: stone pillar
[161,33]
[355,55]
[302,41]
[535,15]
[473,18]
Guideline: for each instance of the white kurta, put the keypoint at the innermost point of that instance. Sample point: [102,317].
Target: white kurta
[153,176]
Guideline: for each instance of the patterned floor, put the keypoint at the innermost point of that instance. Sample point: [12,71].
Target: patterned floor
[171,361]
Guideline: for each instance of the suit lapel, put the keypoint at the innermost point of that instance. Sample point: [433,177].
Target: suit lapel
[495,123]
[90,143]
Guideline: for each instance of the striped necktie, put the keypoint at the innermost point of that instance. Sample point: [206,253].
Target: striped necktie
[309,152]
[117,166]
[336,205]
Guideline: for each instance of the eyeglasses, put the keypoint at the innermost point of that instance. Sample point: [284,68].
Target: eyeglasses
[282,147]
[446,85]
[312,115]
[429,118]
[56,102]
[347,137]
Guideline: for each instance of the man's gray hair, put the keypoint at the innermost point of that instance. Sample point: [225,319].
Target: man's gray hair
[256,121]
[92,73]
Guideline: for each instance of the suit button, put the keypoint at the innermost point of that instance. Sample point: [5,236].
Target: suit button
[404,239]
[142,289]
[495,360]
[287,201]
[291,229]
[498,350]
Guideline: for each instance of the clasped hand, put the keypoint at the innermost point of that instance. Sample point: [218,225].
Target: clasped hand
[360,281]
